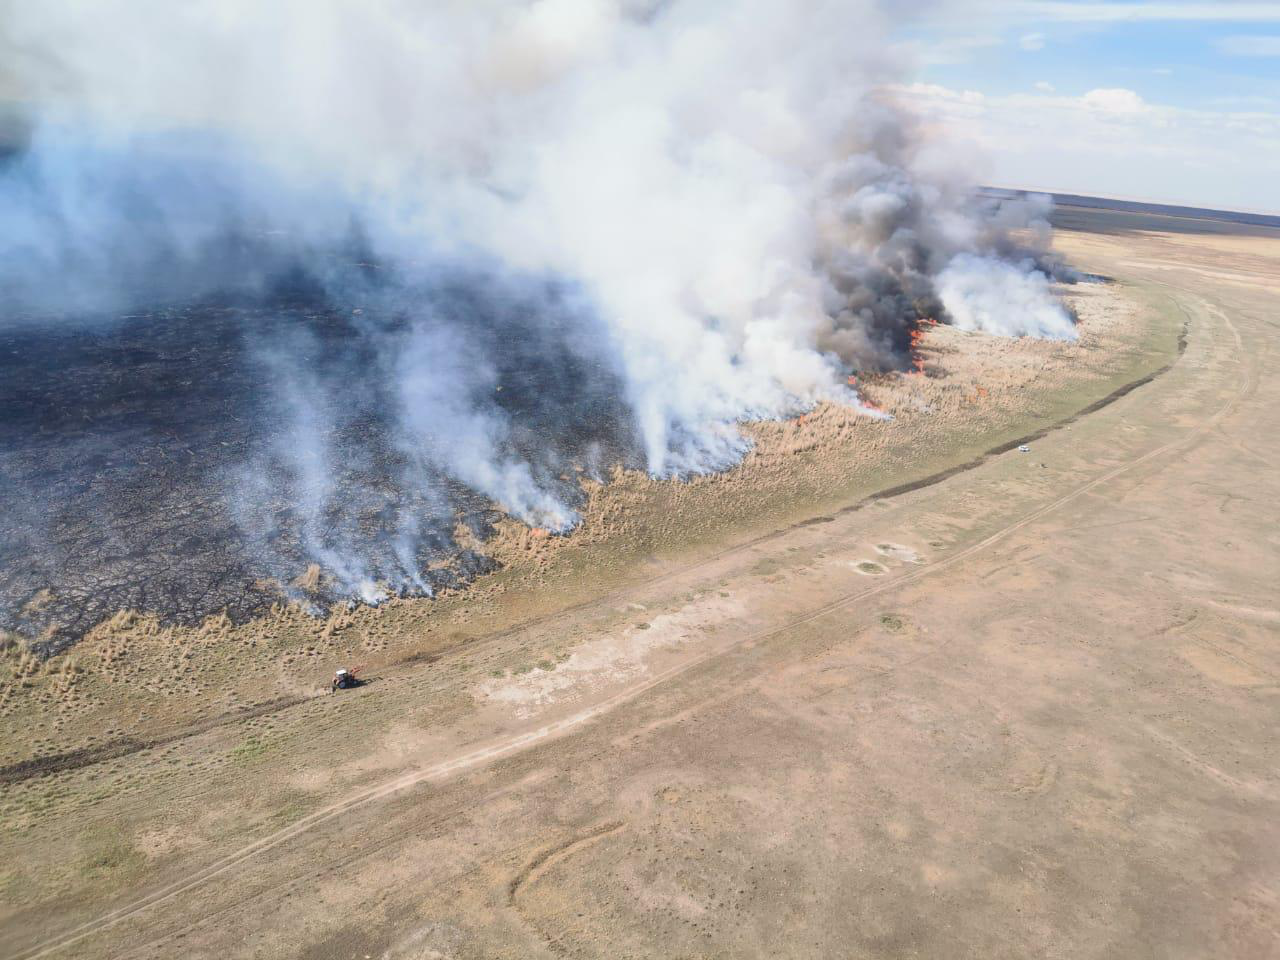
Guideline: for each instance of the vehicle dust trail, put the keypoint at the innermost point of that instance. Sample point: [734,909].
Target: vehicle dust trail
[516,743]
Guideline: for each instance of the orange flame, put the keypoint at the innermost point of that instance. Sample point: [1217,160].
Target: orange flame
[917,338]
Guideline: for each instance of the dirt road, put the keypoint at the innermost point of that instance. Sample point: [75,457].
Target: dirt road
[1026,711]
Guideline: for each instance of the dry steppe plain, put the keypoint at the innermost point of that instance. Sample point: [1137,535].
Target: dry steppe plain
[885,690]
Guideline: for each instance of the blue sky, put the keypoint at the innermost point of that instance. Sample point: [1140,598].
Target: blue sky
[1167,101]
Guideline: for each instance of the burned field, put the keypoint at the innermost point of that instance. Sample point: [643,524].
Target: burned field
[771,710]
[225,456]
[112,445]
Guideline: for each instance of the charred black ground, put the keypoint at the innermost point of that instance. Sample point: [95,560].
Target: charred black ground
[150,461]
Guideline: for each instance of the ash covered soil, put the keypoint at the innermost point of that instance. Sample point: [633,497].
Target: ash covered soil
[159,462]
[116,446]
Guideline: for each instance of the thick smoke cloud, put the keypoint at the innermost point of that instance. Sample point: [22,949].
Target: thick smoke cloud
[477,248]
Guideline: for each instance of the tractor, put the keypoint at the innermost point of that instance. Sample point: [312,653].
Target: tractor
[345,680]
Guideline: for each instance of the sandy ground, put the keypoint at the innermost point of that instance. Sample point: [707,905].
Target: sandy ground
[1025,710]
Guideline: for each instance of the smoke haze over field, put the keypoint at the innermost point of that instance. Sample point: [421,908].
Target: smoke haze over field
[477,248]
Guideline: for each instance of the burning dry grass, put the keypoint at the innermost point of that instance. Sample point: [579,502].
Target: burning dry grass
[969,385]
[970,392]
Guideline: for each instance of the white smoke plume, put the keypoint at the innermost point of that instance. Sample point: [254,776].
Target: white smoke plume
[1009,299]
[685,214]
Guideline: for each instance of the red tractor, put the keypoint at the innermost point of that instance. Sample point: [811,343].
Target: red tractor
[345,680]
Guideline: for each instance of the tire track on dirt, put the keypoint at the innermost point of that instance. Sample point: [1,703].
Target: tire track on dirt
[515,744]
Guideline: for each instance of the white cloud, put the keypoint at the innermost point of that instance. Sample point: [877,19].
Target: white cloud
[934,91]
[945,51]
[1031,42]
[1094,12]
[1249,46]
[1044,86]
[1113,100]
[1256,102]
[1112,142]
